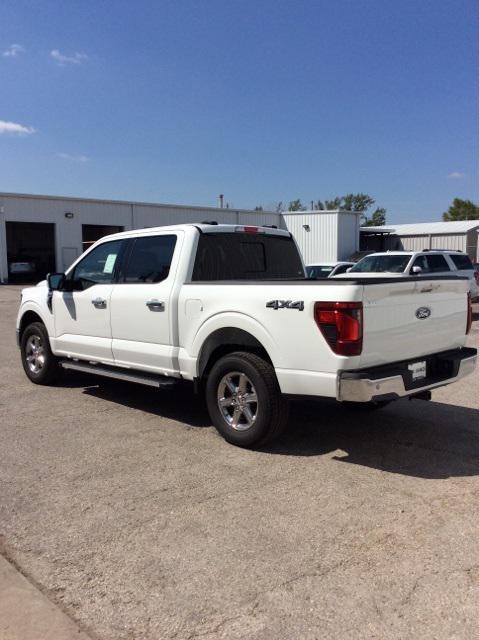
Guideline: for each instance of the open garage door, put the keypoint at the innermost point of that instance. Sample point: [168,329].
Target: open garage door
[93,232]
[30,250]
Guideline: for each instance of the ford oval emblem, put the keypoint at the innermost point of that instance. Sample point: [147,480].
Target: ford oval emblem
[422,313]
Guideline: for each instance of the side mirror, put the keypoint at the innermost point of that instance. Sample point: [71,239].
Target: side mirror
[348,269]
[416,270]
[55,281]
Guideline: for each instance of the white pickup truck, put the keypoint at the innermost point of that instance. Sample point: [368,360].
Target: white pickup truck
[229,308]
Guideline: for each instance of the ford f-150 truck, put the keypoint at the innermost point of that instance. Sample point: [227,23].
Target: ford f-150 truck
[229,308]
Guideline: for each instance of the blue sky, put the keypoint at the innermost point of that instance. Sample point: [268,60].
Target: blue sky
[262,100]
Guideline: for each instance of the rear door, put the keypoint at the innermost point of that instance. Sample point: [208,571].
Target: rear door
[82,316]
[143,310]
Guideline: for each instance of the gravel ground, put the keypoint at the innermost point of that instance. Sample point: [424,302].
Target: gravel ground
[129,512]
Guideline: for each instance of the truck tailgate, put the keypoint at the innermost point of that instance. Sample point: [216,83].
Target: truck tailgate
[411,318]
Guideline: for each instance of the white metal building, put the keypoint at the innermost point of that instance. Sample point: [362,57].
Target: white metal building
[46,233]
[459,235]
[49,232]
[324,236]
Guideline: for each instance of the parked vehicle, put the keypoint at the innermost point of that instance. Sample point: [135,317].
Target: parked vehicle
[23,267]
[476,272]
[418,263]
[327,269]
[229,308]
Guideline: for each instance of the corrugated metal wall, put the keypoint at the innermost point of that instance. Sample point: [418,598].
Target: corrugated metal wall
[466,242]
[324,236]
[348,235]
[316,235]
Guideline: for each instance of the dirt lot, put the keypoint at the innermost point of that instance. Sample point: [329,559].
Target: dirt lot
[128,511]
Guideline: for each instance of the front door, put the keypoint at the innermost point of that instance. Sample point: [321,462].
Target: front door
[82,316]
[142,309]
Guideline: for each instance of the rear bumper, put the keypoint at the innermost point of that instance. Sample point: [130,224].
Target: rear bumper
[394,381]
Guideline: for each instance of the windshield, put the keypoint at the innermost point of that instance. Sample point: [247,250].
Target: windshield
[319,270]
[382,264]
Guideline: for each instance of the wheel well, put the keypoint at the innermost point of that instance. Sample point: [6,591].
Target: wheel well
[224,341]
[27,318]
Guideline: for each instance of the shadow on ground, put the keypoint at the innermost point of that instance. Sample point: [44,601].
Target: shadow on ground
[416,438]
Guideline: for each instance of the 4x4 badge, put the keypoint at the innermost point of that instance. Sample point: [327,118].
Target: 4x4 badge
[285,304]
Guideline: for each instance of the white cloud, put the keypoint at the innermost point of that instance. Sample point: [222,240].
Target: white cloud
[62,60]
[13,51]
[456,175]
[15,128]
[73,158]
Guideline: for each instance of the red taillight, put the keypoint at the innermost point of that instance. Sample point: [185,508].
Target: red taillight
[469,313]
[341,324]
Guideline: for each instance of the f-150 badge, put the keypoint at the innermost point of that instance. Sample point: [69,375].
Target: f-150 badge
[285,304]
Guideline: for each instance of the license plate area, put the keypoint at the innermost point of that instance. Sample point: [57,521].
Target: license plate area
[418,370]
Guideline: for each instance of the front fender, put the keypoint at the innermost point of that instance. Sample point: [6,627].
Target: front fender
[43,313]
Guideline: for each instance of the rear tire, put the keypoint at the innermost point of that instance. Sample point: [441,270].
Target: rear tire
[244,400]
[38,361]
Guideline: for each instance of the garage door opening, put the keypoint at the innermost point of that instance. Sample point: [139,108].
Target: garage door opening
[30,250]
[93,232]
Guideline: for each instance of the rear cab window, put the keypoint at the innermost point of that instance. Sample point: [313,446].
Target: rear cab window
[246,256]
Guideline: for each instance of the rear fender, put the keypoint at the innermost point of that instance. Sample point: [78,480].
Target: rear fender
[259,334]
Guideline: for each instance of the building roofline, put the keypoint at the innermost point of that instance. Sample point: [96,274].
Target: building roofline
[135,203]
[319,212]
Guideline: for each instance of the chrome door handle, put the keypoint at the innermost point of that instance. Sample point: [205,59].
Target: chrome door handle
[99,303]
[155,305]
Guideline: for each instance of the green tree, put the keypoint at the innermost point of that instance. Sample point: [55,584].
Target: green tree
[461,210]
[328,205]
[355,202]
[377,219]
[296,205]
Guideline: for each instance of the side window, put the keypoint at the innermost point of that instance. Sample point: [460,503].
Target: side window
[420,261]
[150,259]
[98,266]
[461,261]
[437,263]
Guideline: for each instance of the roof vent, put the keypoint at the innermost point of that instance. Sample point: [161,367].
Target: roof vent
[209,222]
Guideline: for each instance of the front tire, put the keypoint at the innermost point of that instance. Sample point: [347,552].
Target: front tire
[38,361]
[244,400]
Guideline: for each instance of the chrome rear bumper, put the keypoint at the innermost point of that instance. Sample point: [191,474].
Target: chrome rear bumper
[366,385]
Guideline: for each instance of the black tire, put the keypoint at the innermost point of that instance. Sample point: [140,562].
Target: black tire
[259,380]
[41,366]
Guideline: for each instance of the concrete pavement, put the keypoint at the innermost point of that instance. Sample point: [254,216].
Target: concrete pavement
[125,509]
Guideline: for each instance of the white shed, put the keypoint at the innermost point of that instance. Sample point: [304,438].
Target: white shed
[324,236]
